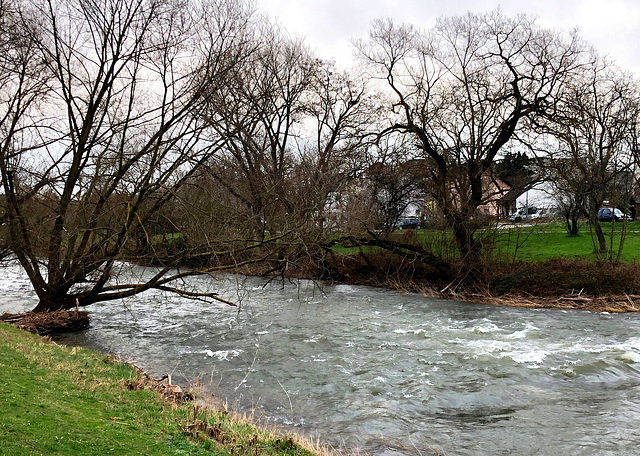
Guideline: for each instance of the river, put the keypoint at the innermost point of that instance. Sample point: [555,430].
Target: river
[384,372]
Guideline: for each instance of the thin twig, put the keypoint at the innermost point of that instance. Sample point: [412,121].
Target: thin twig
[249,369]
[414,446]
[288,397]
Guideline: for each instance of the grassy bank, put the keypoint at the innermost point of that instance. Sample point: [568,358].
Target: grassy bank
[71,401]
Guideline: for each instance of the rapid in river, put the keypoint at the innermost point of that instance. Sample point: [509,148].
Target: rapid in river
[384,372]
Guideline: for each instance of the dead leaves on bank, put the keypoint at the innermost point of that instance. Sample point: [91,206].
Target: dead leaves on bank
[48,323]
[612,304]
[170,392]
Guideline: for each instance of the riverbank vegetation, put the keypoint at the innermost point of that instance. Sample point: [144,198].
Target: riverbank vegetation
[558,283]
[537,265]
[199,137]
[58,400]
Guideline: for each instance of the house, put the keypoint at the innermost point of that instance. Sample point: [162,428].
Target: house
[536,195]
[496,192]
[539,195]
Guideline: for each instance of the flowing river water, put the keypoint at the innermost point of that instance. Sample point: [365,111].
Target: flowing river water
[387,373]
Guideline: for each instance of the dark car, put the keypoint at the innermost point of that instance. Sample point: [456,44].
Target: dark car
[605,214]
[408,223]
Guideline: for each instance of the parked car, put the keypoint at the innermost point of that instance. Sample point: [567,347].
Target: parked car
[605,214]
[526,214]
[408,223]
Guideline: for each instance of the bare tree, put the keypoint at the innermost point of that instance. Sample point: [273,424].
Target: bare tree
[290,122]
[338,112]
[591,125]
[24,84]
[120,135]
[571,193]
[461,91]
[258,114]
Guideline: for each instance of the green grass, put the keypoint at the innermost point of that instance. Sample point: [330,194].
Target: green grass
[168,238]
[538,243]
[72,401]
[550,241]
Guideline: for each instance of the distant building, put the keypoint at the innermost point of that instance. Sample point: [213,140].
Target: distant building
[539,195]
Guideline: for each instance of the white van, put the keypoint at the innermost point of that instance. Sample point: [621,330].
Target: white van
[526,214]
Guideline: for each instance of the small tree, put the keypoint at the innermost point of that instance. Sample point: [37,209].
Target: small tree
[592,124]
[571,198]
[393,189]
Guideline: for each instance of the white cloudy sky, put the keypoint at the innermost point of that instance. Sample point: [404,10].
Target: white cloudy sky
[613,26]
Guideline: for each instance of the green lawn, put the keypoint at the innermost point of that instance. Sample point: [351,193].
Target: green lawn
[71,401]
[540,242]
[549,241]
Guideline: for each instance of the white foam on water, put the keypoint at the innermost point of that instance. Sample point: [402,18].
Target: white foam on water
[222,355]
[409,331]
[521,357]
[520,353]
[522,334]
[347,289]
[485,327]
[629,357]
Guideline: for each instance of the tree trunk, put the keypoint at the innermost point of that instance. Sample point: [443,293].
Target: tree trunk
[50,303]
[572,224]
[601,246]
[463,234]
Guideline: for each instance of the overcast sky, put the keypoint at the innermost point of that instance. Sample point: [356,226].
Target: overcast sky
[613,26]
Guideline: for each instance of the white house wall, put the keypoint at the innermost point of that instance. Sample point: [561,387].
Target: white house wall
[540,195]
[413,209]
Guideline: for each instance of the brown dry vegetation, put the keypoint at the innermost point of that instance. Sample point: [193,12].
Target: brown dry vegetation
[561,276]
[48,323]
[560,283]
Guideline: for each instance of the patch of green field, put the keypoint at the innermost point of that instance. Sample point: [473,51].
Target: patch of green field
[71,401]
[168,238]
[540,242]
[550,241]
[342,250]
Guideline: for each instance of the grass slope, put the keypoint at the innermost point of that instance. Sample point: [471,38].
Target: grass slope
[71,401]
